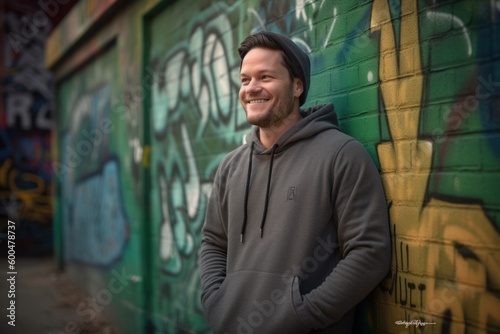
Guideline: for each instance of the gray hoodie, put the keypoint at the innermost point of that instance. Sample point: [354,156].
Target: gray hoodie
[296,235]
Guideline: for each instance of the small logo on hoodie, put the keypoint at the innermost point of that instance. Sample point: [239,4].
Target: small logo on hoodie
[291,194]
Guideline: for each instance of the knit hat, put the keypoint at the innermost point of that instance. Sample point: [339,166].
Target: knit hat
[300,60]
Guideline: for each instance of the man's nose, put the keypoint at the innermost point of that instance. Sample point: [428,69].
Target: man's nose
[253,86]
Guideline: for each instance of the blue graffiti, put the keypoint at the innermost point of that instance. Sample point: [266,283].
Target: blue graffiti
[95,222]
[99,226]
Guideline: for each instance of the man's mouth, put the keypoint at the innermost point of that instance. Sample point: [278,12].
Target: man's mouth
[257,101]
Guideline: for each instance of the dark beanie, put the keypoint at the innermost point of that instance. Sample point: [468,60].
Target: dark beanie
[300,60]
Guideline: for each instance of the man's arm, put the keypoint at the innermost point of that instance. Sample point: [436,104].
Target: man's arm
[213,253]
[364,239]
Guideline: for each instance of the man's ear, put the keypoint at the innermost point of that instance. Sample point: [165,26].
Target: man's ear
[298,87]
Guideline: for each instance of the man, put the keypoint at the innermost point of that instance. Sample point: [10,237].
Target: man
[296,231]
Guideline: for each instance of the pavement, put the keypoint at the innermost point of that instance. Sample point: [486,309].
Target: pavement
[45,300]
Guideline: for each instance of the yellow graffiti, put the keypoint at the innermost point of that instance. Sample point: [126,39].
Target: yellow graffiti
[401,81]
[445,255]
[464,267]
[146,156]
[30,203]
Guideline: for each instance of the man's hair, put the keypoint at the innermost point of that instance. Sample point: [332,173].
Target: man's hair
[260,40]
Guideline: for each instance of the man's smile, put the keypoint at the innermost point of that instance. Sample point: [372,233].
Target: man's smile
[257,101]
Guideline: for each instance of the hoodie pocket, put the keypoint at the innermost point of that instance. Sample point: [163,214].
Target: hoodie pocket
[256,302]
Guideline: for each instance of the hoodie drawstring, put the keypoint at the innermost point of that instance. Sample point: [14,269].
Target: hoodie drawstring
[267,191]
[247,191]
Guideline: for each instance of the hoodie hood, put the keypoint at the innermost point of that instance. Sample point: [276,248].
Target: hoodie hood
[314,120]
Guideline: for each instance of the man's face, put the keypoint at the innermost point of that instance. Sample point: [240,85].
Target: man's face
[267,94]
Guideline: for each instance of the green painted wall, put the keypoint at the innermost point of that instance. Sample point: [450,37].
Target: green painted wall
[417,83]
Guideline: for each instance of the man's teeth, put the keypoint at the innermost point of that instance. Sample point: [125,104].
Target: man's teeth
[256,101]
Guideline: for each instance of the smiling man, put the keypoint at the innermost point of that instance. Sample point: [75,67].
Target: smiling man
[269,93]
[296,231]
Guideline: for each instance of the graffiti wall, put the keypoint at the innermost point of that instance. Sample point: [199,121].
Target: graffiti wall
[25,123]
[89,171]
[193,104]
[96,188]
[439,175]
[145,124]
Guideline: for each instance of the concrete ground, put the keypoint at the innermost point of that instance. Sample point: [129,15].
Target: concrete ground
[45,301]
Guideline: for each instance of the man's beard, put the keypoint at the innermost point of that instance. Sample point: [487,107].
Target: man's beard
[275,116]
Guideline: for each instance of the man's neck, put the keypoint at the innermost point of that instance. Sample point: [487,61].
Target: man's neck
[269,136]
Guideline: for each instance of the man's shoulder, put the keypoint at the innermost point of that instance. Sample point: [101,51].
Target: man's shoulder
[234,156]
[334,137]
